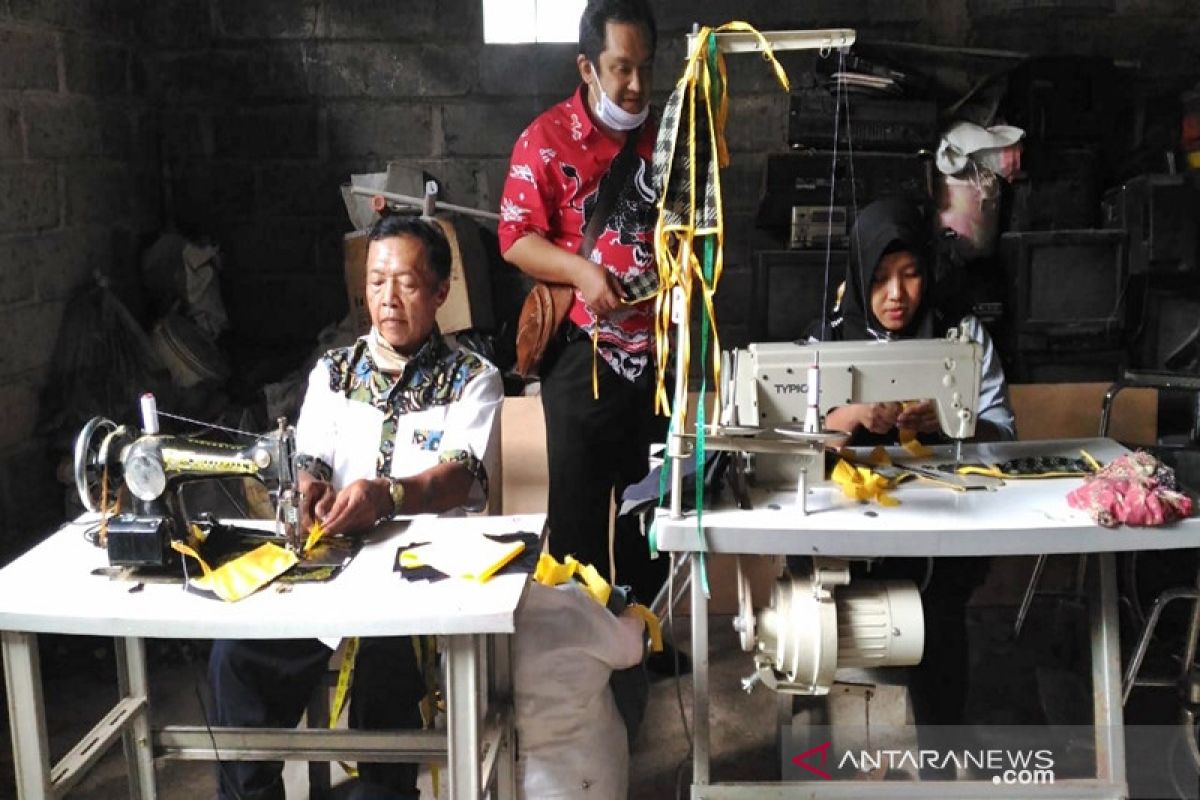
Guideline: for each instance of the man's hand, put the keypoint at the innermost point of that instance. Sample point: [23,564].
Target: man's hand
[921,417]
[357,507]
[600,288]
[316,498]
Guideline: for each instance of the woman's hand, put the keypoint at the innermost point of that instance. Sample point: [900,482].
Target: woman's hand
[880,417]
[875,417]
[920,417]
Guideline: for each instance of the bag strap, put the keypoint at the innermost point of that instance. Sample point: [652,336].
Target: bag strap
[610,186]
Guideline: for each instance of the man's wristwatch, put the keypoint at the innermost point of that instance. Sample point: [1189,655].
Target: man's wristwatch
[396,490]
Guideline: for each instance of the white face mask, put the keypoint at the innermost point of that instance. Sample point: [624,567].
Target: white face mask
[611,115]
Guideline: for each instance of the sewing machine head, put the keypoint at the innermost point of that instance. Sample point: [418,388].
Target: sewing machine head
[770,384]
[153,467]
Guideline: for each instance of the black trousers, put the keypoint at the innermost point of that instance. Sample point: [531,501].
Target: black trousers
[595,448]
[259,684]
[939,684]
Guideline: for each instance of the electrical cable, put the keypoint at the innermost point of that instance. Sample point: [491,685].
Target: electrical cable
[222,766]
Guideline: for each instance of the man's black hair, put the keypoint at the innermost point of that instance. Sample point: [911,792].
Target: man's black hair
[594,23]
[437,249]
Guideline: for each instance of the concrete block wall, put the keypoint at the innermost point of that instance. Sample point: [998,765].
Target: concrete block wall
[78,188]
[240,118]
[269,104]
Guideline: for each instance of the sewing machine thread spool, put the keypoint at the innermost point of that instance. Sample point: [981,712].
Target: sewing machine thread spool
[812,415]
[149,413]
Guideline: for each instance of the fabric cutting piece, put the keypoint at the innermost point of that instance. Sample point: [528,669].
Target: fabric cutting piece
[474,557]
[242,576]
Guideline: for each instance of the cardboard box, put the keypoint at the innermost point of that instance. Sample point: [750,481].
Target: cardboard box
[469,303]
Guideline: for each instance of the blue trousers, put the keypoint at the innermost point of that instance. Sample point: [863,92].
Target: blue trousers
[267,684]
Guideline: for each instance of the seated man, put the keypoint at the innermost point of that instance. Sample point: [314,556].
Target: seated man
[398,423]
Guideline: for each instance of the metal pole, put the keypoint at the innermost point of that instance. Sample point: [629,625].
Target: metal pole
[419,202]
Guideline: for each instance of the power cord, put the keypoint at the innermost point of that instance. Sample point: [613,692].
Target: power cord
[222,766]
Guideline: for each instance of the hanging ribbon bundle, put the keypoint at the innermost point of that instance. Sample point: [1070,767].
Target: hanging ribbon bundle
[689,238]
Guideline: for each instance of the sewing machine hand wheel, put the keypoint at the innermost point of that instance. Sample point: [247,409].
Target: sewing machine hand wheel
[90,460]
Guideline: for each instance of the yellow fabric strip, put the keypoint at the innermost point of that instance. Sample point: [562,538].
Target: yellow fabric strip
[861,483]
[344,681]
[315,533]
[595,357]
[910,442]
[652,625]
[674,243]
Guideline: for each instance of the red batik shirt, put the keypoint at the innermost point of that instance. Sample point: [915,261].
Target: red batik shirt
[552,186]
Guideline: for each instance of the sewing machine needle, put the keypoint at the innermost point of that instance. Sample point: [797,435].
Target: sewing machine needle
[957,454]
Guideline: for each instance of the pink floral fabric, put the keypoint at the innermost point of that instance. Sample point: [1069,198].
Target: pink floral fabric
[1135,489]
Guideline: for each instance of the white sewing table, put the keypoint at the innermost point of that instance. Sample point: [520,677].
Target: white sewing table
[51,589]
[1021,517]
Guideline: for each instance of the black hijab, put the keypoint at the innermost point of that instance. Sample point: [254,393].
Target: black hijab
[887,226]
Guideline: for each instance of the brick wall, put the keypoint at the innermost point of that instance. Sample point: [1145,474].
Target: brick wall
[250,113]
[78,186]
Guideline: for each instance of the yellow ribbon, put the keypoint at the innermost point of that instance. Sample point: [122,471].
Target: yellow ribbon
[315,533]
[550,572]
[674,244]
[862,483]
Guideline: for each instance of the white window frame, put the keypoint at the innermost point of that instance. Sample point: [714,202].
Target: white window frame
[531,21]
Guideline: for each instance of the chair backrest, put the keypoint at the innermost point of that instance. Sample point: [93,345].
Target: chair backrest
[1072,411]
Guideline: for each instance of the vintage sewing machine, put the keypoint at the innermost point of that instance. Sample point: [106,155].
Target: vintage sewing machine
[772,416]
[154,467]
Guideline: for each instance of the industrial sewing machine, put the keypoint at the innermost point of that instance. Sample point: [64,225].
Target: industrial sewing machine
[154,467]
[772,416]
[787,388]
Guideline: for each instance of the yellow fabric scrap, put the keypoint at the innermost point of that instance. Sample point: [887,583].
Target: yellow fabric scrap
[478,558]
[878,457]
[314,535]
[861,483]
[910,442]
[652,626]
[244,575]
[550,572]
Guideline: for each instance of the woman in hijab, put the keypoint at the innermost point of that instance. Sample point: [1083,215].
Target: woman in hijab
[888,296]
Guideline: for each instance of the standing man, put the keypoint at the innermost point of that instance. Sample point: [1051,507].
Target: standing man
[400,422]
[595,445]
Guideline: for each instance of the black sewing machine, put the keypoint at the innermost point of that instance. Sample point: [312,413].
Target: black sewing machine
[152,467]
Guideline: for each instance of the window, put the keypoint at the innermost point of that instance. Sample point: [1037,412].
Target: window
[521,21]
